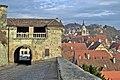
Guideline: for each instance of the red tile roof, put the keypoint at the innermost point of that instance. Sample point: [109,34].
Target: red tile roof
[74,37]
[111,75]
[98,54]
[106,64]
[68,49]
[33,22]
[115,45]
[75,46]
[117,55]
[97,38]
[67,53]
[94,46]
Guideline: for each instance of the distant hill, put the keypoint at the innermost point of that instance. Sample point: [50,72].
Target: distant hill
[72,25]
[111,32]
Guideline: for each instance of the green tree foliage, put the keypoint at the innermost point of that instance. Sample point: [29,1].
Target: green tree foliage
[93,70]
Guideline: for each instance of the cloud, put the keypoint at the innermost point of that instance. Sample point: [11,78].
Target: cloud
[67,10]
[59,7]
[100,14]
[21,15]
[108,2]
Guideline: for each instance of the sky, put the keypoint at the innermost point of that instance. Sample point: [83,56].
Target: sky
[69,11]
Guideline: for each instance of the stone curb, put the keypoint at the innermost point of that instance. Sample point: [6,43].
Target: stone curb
[7,66]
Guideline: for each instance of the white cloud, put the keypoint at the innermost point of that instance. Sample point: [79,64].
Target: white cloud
[108,2]
[20,15]
[104,13]
[59,7]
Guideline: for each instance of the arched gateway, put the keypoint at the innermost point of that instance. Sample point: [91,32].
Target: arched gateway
[23,54]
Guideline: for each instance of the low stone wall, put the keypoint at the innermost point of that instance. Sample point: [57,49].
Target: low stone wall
[70,71]
[3,55]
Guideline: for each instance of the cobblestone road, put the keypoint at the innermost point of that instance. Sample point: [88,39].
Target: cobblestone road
[43,70]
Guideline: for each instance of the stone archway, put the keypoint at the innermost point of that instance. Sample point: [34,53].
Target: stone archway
[17,56]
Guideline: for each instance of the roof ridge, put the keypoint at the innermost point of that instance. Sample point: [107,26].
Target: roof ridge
[32,18]
[51,22]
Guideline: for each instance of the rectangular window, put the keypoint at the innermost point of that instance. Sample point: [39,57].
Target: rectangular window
[22,32]
[22,29]
[25,52]
[22,52]
[39,30]
[47,52]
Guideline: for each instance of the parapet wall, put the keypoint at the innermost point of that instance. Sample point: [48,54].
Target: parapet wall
[70,71]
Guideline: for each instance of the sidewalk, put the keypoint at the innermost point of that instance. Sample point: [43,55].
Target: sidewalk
[7,66]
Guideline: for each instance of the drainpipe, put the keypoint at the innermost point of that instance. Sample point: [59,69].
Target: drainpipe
[8,44]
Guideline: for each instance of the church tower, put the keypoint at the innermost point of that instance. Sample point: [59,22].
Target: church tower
[84,29]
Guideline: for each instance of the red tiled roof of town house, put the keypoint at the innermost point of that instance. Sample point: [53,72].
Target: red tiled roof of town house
[106,64]
[78,38]
[26,22]
[67,53]
[75,46]
[97,38]
[115,45]
[94,54]
[117,55]
[68,49]
[111,75]
[94,46]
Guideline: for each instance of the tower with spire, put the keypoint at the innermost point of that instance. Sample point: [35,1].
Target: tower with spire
[84,29]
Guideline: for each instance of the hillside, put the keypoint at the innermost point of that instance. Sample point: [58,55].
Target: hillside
[109,31]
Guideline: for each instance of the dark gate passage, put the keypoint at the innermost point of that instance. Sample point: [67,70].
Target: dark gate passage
[23,55]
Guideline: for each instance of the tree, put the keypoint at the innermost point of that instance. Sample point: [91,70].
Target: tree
[93,70]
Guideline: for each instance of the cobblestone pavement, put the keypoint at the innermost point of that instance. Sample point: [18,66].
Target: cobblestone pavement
[42,70]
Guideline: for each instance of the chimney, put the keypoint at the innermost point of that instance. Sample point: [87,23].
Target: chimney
[114,60]
[87,55]
[100,40]
[105,66]
[3,16]
[80,57]
[69,42]
[57,19]
[60,21]
[71,48]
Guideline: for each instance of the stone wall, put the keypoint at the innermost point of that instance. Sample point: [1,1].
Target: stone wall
[38,46]
[3,55]
[3,23]
[70,71]
[3,16]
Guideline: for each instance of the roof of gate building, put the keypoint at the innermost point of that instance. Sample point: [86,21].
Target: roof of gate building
[26,22]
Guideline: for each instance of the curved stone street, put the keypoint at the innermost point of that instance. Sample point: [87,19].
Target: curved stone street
[42,70]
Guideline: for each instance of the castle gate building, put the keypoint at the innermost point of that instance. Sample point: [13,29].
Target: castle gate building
[41,36]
